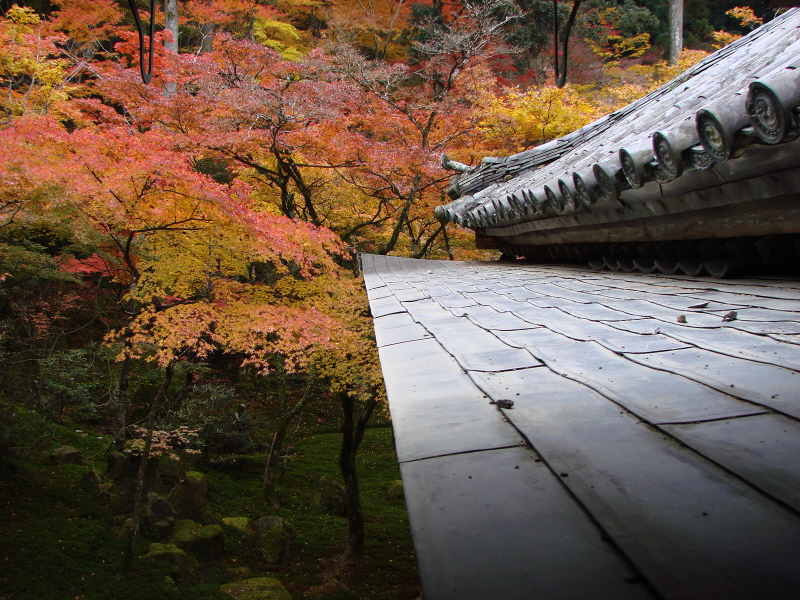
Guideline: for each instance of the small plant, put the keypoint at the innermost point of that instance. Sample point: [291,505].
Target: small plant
[66,381]
[173,443]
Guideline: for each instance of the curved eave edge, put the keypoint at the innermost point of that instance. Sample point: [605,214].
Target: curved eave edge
[704,127]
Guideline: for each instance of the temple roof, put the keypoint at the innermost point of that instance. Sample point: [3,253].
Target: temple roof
[730,119]
[651,450]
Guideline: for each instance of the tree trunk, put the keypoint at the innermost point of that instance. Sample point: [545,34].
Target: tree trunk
[133,532]
[171,23]
[401,221]
[207,40]
[272,460]
[121,400]
[277,441]
[447,243]
[352,435]
[675,30]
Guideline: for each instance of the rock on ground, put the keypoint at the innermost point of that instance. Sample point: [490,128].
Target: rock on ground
[277,540]
[158,517]
[66,455]
[241,524]
[259,588]
[206,542]
[183,566]
[189,498]
[329,497]
[395,491]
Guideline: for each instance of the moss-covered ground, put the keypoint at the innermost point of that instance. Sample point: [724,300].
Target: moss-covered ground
[59,539]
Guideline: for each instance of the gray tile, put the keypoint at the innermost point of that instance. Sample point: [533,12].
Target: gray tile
[763,449]
[477,349]
[758,314]
[724,340]
[631,343]
[521,293]
[764,291]
[497,525]
[654,395]
[683,303]
[410,295]
[647,309]
[435,407]
[787,338]
[572,327]
[379,292]
[497,301]
[398,328]
[768,385]
[381,307]
[454,301]
[580,286]
[433,289]
[762,328]
[488,318]
[738,299]
[595,312]
[549,289]
[601,332]
[692,529]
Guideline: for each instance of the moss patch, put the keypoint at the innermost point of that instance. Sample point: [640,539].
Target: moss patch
[60,540]
[258,588]
[240,524]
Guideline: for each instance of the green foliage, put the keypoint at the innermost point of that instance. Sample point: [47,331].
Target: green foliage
[212,409]
[66,381]
[21,431]
[61,539]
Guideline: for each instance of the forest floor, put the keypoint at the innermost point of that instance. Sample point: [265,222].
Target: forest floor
[59,540]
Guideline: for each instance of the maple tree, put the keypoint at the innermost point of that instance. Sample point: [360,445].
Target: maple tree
[216,203]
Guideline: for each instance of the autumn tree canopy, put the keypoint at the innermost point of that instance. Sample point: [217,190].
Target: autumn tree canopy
[218,210]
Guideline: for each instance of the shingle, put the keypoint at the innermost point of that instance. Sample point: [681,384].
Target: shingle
[499,525]
[638,441]
[438,410]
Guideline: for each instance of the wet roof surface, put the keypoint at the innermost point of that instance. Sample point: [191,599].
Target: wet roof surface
[643,457]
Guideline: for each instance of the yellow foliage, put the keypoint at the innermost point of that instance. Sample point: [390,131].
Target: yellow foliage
[282,37]
[519,119]
[746,16]
[662,72]
[29,70]
[632,47]
[352,365]
[26,18]
[723,38]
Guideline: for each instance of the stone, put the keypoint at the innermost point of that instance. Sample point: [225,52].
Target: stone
[240,572]
[329,497]
[121,496]
[241,524]
[90,481]
[170,473]
[118,466]
[206,542]
[184,567]
[122,470]
[66,455]
[258,588]
[395,491]
[277,540]
[189,498]
[158,517]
